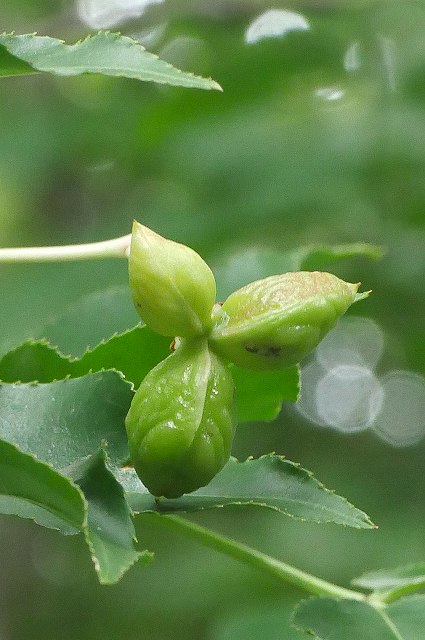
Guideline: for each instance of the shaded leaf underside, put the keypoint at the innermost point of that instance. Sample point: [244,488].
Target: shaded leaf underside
[110,531]
[32,489]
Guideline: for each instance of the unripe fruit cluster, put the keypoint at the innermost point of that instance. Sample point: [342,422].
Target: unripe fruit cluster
[181,422]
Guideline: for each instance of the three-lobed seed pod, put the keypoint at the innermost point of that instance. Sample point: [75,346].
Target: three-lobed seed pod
[181,422]
[180,425]
[275,322]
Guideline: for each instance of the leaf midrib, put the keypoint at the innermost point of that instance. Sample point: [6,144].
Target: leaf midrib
[256,501]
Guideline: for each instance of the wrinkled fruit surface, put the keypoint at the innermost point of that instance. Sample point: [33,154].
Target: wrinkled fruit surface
[180,425]
[276,322]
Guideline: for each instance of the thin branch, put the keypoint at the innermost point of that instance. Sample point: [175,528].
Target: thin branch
[115,248]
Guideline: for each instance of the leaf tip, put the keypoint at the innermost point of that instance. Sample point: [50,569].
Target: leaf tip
[216,86]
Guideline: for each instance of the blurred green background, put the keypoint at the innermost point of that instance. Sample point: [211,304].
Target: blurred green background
[319,137]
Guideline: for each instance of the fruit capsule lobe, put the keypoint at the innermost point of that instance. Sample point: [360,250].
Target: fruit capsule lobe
[275,322]
[181,422]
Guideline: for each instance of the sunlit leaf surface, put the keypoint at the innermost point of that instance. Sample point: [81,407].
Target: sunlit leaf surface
[106,53]
[64,421]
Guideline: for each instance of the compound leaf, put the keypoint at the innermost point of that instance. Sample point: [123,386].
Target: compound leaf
[88,500]
[134,353]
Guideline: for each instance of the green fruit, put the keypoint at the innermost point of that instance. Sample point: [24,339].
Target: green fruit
[275,322]
[173,288]
[180,425]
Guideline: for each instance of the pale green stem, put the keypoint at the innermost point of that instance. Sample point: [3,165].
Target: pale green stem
[115,248]
[281,570]
[386,597]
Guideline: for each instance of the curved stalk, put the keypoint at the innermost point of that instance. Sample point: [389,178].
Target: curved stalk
[248,555]
[115,248]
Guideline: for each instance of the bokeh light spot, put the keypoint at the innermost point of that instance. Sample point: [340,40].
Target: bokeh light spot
[102,14]
[275,23]
[329,93]
[354,341]
[401,421]
[349,397]
[311,374]
[352,61]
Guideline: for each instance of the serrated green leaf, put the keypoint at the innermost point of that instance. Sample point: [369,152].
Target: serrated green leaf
[92,319]
[89,499]
[270,482]
[316,257]
[134,353]
[260,394]
[106,53]
[393,583]
[32,489]
[351,620]
[64,421]
[35,361]
[12,66]
[109,532]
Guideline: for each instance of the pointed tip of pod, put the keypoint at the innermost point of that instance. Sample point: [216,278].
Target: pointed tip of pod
[173,288]
[146,236]
[136,226]
[358,295]
[362,295]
